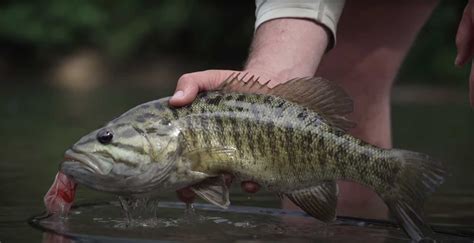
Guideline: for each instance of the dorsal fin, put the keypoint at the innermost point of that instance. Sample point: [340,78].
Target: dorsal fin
[315,93]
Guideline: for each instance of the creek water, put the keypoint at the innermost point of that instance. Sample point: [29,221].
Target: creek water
[38,124]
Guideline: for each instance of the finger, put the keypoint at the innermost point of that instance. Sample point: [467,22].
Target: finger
[186,195]
[190,84]
[463,37]
[250,186]
[471,86]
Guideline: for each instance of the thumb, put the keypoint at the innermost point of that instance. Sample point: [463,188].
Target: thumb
[190,84]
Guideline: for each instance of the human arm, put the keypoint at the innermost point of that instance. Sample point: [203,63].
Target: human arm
[465,44]
[290,39]
[281,49]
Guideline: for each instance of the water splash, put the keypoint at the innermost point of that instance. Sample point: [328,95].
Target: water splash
[138,211]
[143,213]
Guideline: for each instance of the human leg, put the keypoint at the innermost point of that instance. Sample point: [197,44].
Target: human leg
[373,39]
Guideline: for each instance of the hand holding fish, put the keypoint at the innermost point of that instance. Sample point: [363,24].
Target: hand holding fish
[275,59]
[190,84]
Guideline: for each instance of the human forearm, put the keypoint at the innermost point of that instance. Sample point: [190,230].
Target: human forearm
[286,48]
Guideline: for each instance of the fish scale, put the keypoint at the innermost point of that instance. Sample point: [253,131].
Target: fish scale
[282,144]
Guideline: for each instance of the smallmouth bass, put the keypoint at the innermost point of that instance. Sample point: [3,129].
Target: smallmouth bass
[291,139]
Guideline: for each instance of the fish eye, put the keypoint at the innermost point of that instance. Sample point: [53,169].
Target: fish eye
[105,136]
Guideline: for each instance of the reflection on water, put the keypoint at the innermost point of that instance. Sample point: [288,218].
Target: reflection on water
[38,124]
[253,224]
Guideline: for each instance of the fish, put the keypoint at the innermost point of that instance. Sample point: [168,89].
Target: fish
[292,139]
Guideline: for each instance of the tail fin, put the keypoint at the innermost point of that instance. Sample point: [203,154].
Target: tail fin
[418,178]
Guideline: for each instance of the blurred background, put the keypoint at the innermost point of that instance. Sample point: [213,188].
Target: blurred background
[79,43]
[67,67]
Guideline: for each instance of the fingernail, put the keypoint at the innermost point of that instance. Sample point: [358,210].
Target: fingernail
[178,94]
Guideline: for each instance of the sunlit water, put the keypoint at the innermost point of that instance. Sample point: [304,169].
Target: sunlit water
[37,125]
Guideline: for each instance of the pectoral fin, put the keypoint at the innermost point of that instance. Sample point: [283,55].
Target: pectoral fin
[319,201]
[213,190]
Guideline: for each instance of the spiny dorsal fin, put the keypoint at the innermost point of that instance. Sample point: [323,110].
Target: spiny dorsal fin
[235,83]
[317,94]
[319,201]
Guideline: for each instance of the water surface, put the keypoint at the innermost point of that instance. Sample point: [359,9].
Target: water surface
[38,123]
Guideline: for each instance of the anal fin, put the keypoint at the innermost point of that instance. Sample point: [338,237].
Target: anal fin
[319,201]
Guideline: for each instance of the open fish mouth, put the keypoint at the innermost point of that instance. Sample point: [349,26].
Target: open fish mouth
[87,162]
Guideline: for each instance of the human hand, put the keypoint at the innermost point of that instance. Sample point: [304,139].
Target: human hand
[465,44]
[190,84]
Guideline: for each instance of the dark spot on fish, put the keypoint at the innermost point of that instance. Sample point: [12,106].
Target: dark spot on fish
[321,143]
[250,139]
[214,101]
[339,133]
[151,130]
[261,142]
[148,115]
[267,100]
[239,108]
[301,116]
[271,138]
[280,104]
[228,97]
[240,97]
[219,121]
[235,135]
[289,131]
[144,117]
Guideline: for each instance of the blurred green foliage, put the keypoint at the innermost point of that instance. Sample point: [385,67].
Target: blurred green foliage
[121,28]
[215,33]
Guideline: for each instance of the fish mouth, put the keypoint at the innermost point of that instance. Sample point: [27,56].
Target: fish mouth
[90,163]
